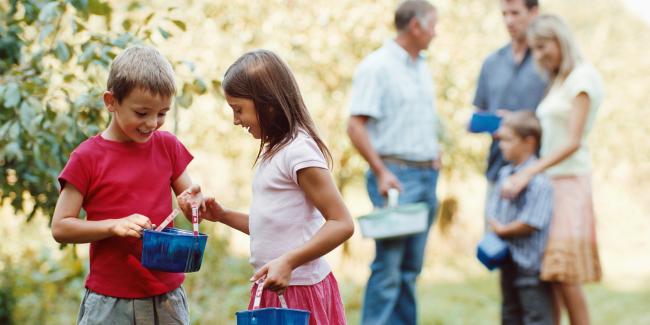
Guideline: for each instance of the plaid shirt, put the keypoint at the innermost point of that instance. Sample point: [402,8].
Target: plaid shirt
[534,207]
[398,96]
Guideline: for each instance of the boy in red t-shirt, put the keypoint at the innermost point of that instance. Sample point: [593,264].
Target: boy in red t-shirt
[122,178]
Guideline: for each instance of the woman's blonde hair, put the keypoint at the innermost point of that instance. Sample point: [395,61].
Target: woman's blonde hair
[267,80]
[552,27]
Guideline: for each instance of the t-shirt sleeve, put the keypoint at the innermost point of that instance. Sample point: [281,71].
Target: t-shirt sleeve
[586,80]
[538,209]
[367,92]
[480,100]
[181,157]
[76,173]
[303,153]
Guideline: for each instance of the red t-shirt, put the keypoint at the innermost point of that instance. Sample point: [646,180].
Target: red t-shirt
[117,180]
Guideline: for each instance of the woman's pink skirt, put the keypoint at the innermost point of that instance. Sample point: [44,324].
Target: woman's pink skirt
[571,254]
[322,299]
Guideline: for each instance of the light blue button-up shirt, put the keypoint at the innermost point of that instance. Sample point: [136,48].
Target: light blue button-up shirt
[534,207]
[397,94]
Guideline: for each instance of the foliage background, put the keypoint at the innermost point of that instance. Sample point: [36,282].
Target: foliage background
[322,42]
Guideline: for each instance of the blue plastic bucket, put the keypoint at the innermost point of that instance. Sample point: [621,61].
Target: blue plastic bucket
[173,250]
[273,316]
[492,251]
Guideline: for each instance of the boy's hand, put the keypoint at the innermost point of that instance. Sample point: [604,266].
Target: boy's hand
[131,226]
[278,275]
[494,226]
[192,196]
[214,211]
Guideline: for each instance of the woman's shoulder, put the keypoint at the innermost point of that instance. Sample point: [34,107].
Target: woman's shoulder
[583,71]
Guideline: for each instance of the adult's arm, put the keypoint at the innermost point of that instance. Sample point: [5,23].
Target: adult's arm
[359,135]
[577,120]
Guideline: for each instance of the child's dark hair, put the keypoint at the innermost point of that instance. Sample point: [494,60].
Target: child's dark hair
[267,80]
[525,124]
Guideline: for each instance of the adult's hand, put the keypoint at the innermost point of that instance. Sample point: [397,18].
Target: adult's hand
[388,180]
[514,185]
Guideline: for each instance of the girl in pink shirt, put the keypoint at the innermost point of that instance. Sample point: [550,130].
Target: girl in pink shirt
[293,191]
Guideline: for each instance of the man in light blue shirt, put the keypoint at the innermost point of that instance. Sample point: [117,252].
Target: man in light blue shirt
[393,125]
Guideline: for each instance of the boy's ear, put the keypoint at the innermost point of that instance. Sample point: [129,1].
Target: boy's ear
[531,141]
[109,101]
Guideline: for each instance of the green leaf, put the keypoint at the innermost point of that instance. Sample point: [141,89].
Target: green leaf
[122,40]
[88,54]
[164,33]
[199,86]
[4,128]
[47,30]
[172,8]
[146,20]
[12,95]
[12,150]
[62,52]
[101,63]
[14,131]
[76,26]
[49,12]
[26,113]
[190,64]
[79,4]
[126,24]
[99,8]
[185,99]
[35,124]
[36,104]
[180,24]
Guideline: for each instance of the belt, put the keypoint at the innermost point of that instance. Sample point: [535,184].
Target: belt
[399,161]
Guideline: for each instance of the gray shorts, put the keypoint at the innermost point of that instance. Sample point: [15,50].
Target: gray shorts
[527,300]
[167,308]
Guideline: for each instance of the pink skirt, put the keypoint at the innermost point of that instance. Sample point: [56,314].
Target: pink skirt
[571,254]
[322,299]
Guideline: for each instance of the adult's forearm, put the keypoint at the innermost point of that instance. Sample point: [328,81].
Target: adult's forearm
[360,140]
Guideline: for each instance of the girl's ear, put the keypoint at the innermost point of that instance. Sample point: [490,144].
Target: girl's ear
[109,101]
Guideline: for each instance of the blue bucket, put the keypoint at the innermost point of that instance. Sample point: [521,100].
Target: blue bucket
[492,251]
[173,250]
[273,316]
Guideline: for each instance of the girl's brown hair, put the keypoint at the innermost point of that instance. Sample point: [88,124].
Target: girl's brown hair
[263,77]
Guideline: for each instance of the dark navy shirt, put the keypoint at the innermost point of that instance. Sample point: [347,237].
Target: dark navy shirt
[504,85]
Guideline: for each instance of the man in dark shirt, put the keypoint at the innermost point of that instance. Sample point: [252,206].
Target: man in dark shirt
[509,80]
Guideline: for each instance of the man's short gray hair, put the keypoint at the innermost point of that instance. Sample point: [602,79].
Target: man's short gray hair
[412,8]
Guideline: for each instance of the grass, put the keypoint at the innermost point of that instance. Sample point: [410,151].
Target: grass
[477,301]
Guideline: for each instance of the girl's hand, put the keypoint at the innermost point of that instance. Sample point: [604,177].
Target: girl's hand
[192,196]
[514,185]
[278,275]
[131,226]
[213,210]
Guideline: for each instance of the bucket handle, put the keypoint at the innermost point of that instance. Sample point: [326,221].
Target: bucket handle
[258,298]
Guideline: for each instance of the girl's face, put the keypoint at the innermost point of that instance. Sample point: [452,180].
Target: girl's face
[244,114]
[547,53]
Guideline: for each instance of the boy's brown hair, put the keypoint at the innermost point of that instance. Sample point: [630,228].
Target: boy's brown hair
[141,67]
[525,124]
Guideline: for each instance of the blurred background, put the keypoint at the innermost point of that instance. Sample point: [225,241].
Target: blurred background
[54,57]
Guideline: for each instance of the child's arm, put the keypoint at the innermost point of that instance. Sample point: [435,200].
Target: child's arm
[188,195]
[215,212]
[67,228]
[511,229]
[319,187]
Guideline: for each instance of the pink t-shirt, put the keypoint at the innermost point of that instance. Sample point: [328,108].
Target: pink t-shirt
[282,217]
[117,180]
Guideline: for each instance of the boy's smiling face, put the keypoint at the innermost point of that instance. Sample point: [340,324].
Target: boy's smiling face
[244,114]
[137,117]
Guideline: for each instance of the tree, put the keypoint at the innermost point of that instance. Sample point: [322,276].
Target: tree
[53,68]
